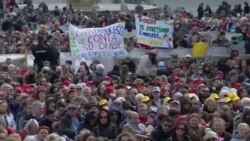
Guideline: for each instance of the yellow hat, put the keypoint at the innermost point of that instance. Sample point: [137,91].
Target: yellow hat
[167,99]
[102,102]
[190,95]
[214,96]
[224,100]
[176,102]
[233,96]
[145,99]
[209,98]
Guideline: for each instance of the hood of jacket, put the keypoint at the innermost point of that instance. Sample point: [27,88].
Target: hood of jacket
[120,115]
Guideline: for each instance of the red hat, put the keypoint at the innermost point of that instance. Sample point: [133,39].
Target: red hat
[236,85]
[10,130]
[72,91]
[178,85]
[106,78]
[109,90]
[200,80]
[65,83]
[219,74]
[176,78]
[28,91]
[63,86]
[163,84]
[23,72]
[18,89]
[89,83]
[195,90]
[192,80]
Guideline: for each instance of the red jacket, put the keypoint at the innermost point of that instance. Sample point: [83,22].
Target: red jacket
[143,120]
[22,133]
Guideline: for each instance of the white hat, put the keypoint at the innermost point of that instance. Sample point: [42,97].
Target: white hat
[122,99]
[71,85]
[156,89]
[100,66]
[210,134]
[138,96]
[232,90]
[161,64]
[177,95]
[245,102]
[225,88]
[188,56]
[223,93]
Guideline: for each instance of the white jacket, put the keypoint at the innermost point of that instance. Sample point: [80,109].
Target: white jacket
[144,66]
[8,119]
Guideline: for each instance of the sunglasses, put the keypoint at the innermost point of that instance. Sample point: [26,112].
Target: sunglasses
[167,125]
[72,108]
[114,114]
[181,129]
[78,88]
[103,117]
[117,104]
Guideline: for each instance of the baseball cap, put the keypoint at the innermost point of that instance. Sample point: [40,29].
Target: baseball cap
[156,89]
[224,100]
[145,99]
[167,99]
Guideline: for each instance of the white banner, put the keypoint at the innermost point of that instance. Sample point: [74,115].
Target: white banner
[154,33]
[89,43]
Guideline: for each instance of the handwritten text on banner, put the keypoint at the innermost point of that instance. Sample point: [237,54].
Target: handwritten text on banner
[153,32]
[97,42]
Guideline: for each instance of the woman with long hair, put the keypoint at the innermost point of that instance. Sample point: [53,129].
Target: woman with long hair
[180,133]
[43,132]
[194,130]
[85,135]
[210,105]
[41,94]
[6,116]
[164,130]
[104,127]
[126,136]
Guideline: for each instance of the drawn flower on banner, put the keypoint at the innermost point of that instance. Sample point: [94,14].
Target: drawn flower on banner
[74,49]
[165,36]
[82,42]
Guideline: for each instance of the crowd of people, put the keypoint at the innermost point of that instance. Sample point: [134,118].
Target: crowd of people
[183,99]
[21,26]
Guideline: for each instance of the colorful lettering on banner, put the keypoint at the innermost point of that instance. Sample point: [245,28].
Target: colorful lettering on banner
[97,42]
[153,32]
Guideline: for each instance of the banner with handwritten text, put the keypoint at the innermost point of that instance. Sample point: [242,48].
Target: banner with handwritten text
[153,33]
[89,43]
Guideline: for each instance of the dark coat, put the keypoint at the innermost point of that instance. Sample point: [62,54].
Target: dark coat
[45,122]
[41,53]
[107,130]
[85,124]
[159,135]
[65,126]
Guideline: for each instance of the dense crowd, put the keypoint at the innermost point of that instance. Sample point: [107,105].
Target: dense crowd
[183,99]
[21,26]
